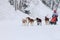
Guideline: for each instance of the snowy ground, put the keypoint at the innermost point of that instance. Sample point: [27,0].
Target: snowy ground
[12,29]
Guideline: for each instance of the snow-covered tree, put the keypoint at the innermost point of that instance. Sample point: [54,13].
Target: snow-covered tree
[11,2]
[53,4]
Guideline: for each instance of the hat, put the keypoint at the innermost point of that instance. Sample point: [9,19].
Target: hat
[54,11]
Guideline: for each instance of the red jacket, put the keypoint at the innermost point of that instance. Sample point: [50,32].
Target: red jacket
[53,19]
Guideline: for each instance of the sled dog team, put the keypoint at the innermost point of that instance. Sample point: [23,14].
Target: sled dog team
[47,20]
[31,21]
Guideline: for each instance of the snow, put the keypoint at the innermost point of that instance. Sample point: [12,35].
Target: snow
[38,9]
[11,27]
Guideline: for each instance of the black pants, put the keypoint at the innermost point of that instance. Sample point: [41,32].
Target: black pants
[53,23]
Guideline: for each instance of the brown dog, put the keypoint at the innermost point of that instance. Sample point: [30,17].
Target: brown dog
[46,20]
[39,21]
[30,20]
[24,21]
